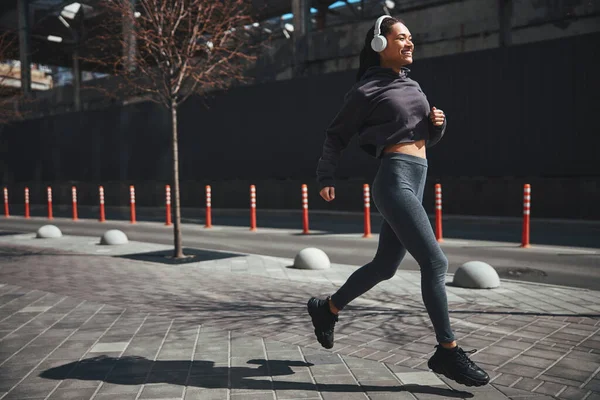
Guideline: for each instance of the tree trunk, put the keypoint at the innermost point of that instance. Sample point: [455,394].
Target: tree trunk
[178,253]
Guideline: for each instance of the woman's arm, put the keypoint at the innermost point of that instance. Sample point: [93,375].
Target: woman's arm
[339,133]
[436,132]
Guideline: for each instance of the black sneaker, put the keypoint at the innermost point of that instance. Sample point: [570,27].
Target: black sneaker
[323,320]
[456,365]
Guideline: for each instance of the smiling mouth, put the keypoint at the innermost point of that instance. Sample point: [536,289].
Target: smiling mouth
[407,52]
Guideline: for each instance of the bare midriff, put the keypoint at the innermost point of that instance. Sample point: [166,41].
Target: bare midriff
[416,149]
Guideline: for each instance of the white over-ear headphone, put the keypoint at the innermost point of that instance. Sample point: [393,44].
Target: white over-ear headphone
[379,42]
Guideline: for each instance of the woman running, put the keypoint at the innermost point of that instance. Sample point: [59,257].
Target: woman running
[395,123]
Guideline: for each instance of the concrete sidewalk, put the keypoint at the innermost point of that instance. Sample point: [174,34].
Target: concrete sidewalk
[78,320]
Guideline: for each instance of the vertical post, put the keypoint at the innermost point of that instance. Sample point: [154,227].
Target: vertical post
[367,199]
[27,216]
[252,208]
[301,22]
[526,212]
[168,204]
[438,212]
[208,207]
[74,195]
[76,79]
[24,45]
[301,17]
[77,32]
[132,203]
[505,11]
[321,17]
[102,215]
[50,203]
[305,230]
[6,211]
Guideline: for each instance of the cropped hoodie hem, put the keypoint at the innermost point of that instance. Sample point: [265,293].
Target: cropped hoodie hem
[384,108]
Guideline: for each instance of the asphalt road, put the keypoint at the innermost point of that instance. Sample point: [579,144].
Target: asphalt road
[578,267]
[547,232]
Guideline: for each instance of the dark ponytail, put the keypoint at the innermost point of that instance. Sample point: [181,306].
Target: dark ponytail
[369,57]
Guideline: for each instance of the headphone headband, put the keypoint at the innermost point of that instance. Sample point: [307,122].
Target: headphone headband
[378,24]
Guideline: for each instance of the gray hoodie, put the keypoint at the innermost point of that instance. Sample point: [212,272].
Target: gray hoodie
[385,108]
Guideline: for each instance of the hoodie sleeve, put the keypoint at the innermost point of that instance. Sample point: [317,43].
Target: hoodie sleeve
[436,132]
[339,133]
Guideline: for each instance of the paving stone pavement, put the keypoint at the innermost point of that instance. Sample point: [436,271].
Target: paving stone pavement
[124,325]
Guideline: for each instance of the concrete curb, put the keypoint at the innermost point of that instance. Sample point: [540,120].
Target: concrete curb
[200,212]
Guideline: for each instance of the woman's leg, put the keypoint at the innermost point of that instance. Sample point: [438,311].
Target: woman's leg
[384,265]
[399,199]
[323,313]
[404,212]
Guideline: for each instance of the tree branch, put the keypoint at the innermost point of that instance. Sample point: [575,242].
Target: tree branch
[174,59]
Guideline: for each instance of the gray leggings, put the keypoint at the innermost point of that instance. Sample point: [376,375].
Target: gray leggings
[398,194]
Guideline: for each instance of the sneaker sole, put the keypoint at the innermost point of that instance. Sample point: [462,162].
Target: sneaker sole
[312,319]
[461,379]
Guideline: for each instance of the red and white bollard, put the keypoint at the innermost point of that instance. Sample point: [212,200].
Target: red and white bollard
[208,207]
[305,230]
[27,216]
[526,212]
[50,203]
[132,203]
[252,208]
[168,201]
[438,212]
[74,195]
[367,199]
[6,211]
[102,215]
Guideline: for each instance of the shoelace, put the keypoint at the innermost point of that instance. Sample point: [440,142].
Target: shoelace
[463,359]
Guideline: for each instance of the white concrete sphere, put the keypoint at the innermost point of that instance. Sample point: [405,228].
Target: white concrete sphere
[311,258]
[476,275]
[48,232]
[114,237]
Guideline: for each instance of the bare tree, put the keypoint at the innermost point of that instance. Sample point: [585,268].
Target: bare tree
[172,49]
[9,94]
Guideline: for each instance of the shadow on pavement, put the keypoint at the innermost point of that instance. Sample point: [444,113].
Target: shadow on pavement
[16,251]
[132,370]
[9,233]
[531,313]
[192,256]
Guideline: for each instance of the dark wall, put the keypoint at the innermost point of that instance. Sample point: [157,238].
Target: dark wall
[524,111]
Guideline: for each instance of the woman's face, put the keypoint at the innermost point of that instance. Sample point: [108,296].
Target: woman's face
[399,49]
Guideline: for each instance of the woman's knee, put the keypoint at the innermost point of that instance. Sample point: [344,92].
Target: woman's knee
[435,267]
[385,269]
[387,273]
[386,262]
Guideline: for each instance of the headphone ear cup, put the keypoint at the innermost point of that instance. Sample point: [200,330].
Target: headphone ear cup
[379,43]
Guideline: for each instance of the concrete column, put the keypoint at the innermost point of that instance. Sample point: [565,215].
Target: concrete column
[321,17]
[76,79]
[301,11]
[505,10]
[78,37]
[24,45]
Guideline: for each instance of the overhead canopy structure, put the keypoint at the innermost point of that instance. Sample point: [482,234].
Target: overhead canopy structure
[42,30]
[45,35]
[57,32]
